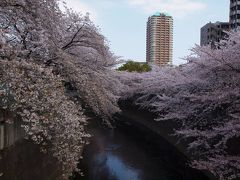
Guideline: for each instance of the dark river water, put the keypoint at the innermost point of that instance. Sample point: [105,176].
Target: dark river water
[123,153]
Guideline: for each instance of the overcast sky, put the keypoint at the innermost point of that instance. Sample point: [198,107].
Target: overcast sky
[123,22]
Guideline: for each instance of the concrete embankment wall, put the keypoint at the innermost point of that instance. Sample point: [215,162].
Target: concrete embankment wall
[145,120]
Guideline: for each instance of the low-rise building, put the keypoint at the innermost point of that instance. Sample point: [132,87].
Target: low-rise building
[214,32]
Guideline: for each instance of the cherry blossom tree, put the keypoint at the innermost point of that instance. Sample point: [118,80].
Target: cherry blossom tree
[49,116]
[41,48]
[203,96]
[69,42]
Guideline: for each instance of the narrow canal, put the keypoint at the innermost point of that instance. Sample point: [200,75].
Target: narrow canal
[123,153]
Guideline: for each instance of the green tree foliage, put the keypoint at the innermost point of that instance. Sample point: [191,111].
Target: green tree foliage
[132,66]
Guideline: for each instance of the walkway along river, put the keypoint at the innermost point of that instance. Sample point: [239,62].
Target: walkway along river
[123,153]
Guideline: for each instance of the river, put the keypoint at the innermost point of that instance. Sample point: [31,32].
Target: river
[126,153]
[123,153]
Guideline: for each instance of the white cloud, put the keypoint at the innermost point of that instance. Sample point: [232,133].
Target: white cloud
[78,6]
[177,8]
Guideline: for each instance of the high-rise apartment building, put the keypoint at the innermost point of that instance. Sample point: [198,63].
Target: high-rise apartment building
[234,13]
[160,39]
[213,32]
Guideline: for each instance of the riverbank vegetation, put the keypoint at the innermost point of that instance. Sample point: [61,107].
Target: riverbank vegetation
[43,48]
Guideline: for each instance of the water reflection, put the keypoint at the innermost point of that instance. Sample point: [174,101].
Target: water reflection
[120,154]
[124,154]
[1,136]
[108,162]
[10,133]
[21,159]
[119,169]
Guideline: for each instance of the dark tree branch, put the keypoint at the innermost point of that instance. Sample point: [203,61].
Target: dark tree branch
[72,40]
